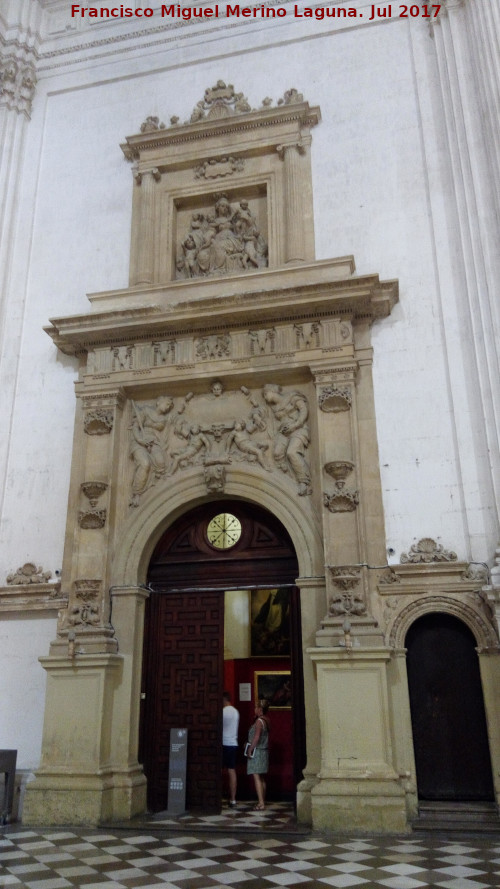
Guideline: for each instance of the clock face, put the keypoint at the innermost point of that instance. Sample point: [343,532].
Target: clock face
[224,530]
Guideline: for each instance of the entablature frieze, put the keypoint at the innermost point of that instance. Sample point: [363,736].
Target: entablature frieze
[254,347]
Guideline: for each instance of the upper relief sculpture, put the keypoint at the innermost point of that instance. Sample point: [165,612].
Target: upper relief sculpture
[217,429]
[221,243]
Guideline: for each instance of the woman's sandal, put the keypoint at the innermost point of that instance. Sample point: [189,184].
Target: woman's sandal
[259,808]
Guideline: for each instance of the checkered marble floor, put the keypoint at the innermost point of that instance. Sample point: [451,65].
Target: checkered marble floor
[278,817]
[173,859]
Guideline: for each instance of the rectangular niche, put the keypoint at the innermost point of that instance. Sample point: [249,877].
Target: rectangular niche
[221,232]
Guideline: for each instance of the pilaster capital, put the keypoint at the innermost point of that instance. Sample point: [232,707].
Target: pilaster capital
[337,375]
[100,410]
[17,81]
[113,399]
[140,175]
[300,148]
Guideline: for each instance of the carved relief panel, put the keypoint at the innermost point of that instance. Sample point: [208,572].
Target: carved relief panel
[268,428]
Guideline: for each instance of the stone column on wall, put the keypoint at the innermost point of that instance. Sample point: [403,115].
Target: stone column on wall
[466,38]
[291,154]
[17,89]
[146,226]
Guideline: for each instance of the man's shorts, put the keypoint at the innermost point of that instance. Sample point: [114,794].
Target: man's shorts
[229,757]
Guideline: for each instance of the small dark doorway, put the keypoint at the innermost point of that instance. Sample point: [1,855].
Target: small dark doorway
[450,738]
[183,667]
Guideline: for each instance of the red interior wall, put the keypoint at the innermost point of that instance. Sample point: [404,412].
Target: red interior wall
[280,781]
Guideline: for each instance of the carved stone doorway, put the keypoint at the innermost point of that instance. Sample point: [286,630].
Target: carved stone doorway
[450,738]
[183,667]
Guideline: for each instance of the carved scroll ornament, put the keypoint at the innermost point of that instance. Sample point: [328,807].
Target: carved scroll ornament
[221,101]
[92,518]
[216,429]
[427,550]
[347,604]
[98,421]
[28,573]
[342,499]
[218,167]
[86,613]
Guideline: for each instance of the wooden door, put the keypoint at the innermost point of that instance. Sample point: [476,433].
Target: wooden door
[449,725]
[184,643]
[184,681]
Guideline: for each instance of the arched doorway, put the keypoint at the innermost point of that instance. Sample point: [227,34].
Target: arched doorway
[197,567]
[450,738]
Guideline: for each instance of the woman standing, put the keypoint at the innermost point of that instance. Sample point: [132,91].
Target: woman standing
[258,751]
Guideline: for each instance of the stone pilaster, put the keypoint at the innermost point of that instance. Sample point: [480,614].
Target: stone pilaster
[86,625]
[295,248]
[146,229]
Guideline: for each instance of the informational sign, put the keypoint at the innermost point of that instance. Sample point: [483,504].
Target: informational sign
[245,691]
[177,771]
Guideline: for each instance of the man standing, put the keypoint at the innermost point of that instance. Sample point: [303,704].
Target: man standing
[230,722]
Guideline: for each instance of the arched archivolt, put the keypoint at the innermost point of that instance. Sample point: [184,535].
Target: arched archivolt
[148,522]
[483,632]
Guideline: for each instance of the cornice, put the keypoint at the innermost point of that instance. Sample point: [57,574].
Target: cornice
[191,132]
[32,597]
[427,578]
[294,293]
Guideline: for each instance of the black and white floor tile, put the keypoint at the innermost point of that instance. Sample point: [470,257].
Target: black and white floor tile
[180,856]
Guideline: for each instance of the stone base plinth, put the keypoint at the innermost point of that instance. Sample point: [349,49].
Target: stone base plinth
[359,805]
[84,799]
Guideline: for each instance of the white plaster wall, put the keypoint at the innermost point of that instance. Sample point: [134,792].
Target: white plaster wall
[381,187]
[22,685]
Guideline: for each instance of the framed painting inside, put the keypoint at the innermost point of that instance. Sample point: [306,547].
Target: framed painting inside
[270,622]
[275,686]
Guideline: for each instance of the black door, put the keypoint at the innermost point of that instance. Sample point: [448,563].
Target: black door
[447,710]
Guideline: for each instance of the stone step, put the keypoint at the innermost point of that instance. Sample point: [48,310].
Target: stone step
[457,816]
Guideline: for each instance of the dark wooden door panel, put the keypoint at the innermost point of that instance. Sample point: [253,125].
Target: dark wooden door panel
[449,725]
[185,672]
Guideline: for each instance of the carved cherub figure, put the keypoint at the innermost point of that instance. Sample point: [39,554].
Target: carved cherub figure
[196,442]
[242,441]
